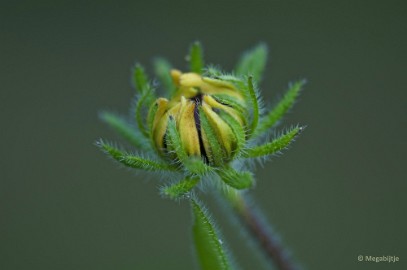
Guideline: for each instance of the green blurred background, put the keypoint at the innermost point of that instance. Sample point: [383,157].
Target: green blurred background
[339,192]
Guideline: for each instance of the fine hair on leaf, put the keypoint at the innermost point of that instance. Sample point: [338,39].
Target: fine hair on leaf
[280,109]
[253,62]
[209,247]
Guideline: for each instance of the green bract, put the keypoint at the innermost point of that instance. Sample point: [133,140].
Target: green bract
[208,123]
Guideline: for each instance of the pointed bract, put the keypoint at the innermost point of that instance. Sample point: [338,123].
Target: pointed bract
[288,100]
[132,160]
[253,62]
[275,145]
[196,61]
[163,70]
[125,129]
[235,179]
[140,79]
[209,249]
[255,104]
[180,189]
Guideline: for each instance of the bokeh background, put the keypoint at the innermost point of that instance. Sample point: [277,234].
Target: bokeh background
[339,192]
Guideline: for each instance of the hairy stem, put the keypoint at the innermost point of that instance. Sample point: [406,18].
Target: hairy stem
[257,227]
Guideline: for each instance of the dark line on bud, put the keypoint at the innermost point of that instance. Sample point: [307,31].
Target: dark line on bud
[165,145]
[165,140]
[216,110]
[222,102]
[198,101]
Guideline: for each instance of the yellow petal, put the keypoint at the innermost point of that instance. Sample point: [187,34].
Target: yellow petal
[175,74]
[211,90]
[190,80]
[219,83]
[160,126]
[161,109]
[187,92]
[234,113]
[187,128]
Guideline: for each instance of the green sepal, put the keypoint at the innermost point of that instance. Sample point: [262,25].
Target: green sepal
[173,140]
[254,103]
[212,71]
[163,71]
[144,101]
[235,179]
[219,83]
[253,62]
[196,62]
[215,154]
[151,115]
[196,166]
[269,120]
[230,78]
[275,145]
[239,84]
[180,189]
[140,79]
[231,102]
[237,130]
[209,248]
[124,129]
[193,165]
[132,161]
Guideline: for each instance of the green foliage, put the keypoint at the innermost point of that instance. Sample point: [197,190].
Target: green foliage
[196,62]
[125,129]
[150,117]
[163,70]
[253,62]
[210,251]
[145,96]
[215,154]
[231,102]
[235,179]
[140,79]
[142,102]
[133,161]
[174,141]
[255,104]
[280,109]
[275,145]
[237,130]
[181,188]
[222,126]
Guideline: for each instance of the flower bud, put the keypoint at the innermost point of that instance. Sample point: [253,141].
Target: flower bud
[210,118]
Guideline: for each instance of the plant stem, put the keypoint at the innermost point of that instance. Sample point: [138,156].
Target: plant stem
[256,225]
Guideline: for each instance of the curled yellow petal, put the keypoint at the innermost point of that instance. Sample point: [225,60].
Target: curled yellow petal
[161,104]
[215,104]
[190,80]
[175,75]
[212,90]
[187,128]
[219,83]
[187,92]
[160,126]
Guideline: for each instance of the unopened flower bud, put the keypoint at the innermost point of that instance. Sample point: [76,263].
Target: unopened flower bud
[210,117]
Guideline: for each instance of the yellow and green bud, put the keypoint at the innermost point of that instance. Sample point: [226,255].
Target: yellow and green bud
[204,124]
[209,116]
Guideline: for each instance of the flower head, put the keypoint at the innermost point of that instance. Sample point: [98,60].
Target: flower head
[203,118]
[208,124]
